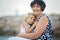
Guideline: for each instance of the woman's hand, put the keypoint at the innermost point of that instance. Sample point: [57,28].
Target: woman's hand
[35,23]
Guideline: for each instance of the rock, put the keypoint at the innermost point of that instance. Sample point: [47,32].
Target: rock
[10,25]
[55,19]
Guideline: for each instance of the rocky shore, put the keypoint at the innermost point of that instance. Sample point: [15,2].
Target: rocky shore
[55,19]
[10,25]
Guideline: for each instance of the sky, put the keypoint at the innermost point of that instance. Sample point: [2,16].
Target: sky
[22,7]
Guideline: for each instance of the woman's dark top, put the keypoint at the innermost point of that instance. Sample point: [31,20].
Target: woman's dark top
[47,34]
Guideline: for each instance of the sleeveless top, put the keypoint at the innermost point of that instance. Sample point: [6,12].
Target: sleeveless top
[22,29]
[47,34]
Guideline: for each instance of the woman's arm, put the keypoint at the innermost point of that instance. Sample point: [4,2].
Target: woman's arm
[40,27]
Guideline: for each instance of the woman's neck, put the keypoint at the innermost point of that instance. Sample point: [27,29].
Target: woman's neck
[39,15]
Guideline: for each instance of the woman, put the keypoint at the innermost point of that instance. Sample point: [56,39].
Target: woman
[43,30]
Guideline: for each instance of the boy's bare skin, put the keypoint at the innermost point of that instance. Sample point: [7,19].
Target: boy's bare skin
[29,30]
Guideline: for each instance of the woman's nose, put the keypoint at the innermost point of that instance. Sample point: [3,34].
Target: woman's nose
[35,8]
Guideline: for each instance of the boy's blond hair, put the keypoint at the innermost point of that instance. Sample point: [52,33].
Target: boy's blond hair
[29,14]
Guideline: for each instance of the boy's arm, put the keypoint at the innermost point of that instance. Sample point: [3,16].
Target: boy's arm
[29,30]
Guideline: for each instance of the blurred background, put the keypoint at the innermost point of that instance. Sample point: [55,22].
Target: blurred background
[12,13]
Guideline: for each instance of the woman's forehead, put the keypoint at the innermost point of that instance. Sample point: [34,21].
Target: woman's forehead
[36,4]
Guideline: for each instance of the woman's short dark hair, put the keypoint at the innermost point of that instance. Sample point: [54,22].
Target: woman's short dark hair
[39,2]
